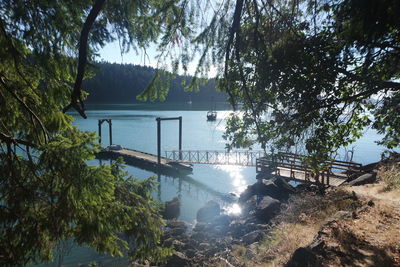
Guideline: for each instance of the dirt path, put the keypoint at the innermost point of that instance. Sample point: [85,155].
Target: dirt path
[370,238]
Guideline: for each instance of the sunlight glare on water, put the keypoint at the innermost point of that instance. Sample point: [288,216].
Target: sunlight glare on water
[236,177]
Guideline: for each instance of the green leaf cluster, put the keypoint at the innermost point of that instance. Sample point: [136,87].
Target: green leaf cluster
[312,76]
[48,191]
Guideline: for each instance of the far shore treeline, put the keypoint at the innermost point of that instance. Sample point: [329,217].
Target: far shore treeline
[121,83]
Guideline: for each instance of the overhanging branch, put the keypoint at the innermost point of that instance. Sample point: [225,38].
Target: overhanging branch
[76,95]
[11,140]
[377,87]
[30,111]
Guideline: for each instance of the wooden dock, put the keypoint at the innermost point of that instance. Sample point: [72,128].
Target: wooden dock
[303,177]
[146,161]
[291,167]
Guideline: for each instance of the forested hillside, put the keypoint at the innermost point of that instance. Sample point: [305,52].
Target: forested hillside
[121,83]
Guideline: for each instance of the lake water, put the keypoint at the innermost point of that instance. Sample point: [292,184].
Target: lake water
[134,126]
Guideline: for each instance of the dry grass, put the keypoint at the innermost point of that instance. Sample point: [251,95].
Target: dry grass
[372,239]
[390,175]
[296,225]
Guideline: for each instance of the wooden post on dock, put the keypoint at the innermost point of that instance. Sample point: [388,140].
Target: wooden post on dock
[180,138]
[100,131]
[158,140]
[110,130]
[159,136]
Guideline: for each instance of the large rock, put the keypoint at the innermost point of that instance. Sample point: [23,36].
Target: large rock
[303,257]
[278,190]
[247,194]
[222,220]
[209,212]
[237,229]
[178,259]
[253,237]
[172,209]
[176,224]
[267,209]
[250,204]
[367,178]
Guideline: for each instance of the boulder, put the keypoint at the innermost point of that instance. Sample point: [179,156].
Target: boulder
[237,229]
[200,226]
[275,191]
[253,237]
[303,257]
[279,190]
[267,209]
[222,220]
[176,224]
[178,259]
[172,209]
[247,194]
[175,232]
[208,212]
[367,178]
[250,205]
[282,183]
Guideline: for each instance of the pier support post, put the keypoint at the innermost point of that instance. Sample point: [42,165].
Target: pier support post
[100,131]
[110,130]
[158,140]
[159,136]
[180,138]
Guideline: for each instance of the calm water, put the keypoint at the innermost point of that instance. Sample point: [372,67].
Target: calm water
[134,126]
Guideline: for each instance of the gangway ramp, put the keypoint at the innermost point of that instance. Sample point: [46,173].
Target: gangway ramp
[217,157]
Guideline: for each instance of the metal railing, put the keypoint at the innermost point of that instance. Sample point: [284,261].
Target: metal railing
[218,157]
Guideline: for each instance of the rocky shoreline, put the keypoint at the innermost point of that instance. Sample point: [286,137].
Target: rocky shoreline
[215,234]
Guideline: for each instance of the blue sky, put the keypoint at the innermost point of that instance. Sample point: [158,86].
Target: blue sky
[112,53]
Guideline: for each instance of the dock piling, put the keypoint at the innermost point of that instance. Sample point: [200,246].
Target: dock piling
[109,129]
[158,140]
[159,136]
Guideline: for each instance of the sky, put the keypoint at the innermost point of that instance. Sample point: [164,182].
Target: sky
[111,52]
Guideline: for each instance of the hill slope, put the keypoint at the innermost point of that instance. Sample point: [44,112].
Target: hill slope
[121,83]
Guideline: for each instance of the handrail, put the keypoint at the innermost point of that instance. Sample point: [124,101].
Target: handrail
[223,157]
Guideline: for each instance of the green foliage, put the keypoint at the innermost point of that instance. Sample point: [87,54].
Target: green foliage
[311,76]
[48,191]
[308,76]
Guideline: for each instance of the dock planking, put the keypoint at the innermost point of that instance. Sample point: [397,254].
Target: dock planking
[146,160]
[289,175]
[292,167]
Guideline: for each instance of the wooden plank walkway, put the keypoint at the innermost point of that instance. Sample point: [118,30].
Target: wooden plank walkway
[146,160]
[301,177]
[291,167]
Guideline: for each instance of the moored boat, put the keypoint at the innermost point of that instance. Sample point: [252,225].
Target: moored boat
[211,115]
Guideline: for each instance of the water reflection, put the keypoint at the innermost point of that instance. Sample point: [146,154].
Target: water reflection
[236,177]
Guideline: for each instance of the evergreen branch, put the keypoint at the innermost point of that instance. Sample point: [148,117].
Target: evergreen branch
[12,140]
[378,86]
[5,86]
